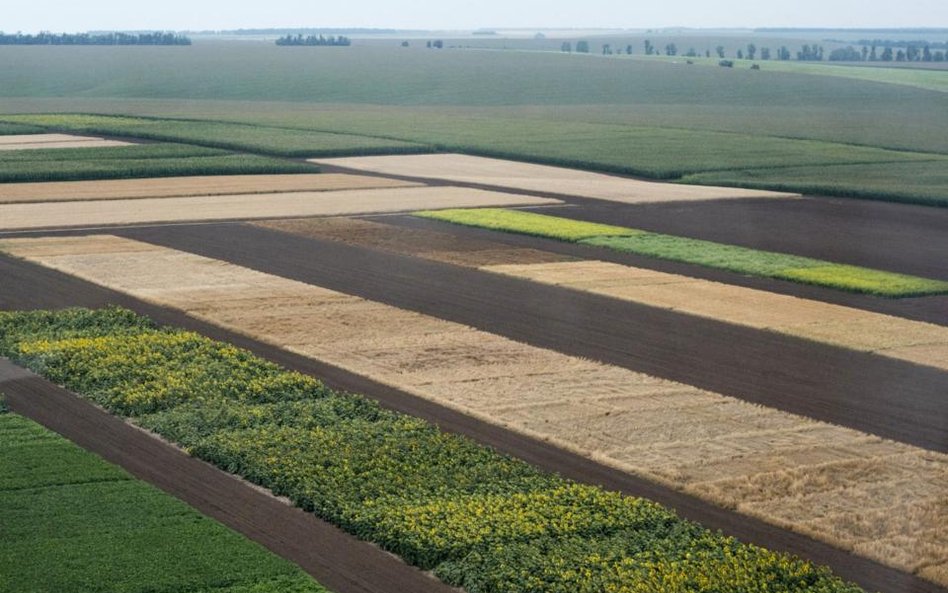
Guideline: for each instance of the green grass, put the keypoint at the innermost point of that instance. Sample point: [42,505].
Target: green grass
[923,183]
[7,129]
[732,258]
[479,519]
[144,160]
[259,139]
[72,522]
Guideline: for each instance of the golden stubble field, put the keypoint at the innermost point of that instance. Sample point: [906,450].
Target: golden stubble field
[878,498]
[461,168]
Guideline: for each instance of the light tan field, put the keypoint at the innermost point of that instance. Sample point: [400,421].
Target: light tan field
[46,141]
[249,206]
[904,339]
[167,187]
[540,178]
[878,498]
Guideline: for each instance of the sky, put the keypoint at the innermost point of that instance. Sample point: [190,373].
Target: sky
[83,15]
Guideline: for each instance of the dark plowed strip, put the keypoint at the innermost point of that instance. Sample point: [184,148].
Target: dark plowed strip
[871,393]
[32,287]
[337,560]
[932,309]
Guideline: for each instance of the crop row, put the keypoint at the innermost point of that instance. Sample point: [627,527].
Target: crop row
[732,258]
[72,522]
[144,160]
[479,519]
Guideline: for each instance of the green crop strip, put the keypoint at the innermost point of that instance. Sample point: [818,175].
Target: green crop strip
[732,258]
[481,520]
[72,522]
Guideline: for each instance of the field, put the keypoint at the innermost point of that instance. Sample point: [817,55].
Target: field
[584,406]
[693,251]
[72,522]
[488,318]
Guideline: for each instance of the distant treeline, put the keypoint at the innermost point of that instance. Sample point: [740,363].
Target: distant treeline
[46,38]
[899,43]
[905,31]
[340,40]
[306,31]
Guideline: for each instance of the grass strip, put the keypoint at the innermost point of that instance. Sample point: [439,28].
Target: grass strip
[72,522]
[479,519]
[733,258]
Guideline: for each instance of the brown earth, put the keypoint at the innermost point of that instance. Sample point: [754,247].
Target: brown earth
[47,141]
[165,187]
[31,286]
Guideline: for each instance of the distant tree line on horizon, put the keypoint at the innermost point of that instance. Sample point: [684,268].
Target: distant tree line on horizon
[315,40]
[912,52]
[47,38]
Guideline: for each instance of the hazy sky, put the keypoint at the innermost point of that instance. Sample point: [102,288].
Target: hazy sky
[57,15]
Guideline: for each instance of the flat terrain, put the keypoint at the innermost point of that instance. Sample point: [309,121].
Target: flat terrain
[244,206]
[45,141]
[912,341]
[803,474]
[538,178]
[167,187]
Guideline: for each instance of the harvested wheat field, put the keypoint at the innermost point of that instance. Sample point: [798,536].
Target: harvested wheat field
[540,178]
[46,141]
[168,187]
[903,339]
[444,247]
[854,490]
[248,206]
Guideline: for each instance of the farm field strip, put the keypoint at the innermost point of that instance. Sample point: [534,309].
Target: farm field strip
[72,522]
[40,141]
[540,178]
[169,187]
[856,491]
[27,216]
[710,254]
[903,339]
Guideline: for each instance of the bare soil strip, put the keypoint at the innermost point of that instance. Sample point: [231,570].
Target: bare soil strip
[874,497]
[168,187]
[867,392]
[912,341]
[32,286]
[244,206]
[46,141]
[541,178]
[336,559]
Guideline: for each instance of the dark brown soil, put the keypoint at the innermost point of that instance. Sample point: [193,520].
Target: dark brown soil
[332,557]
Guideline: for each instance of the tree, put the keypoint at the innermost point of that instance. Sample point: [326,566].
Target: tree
[628,49]
[900,56]
[720,50]
[691,53]
[566,47]
[405,44]
[872,54]
[438,44]
[751,50]
[707,53]
[865,53]
[649,48]
[671,49]
[887,54]
[783,53]
[740,54]
[926,54]
[765,53]
[606,49]
[582,47]
[428,45]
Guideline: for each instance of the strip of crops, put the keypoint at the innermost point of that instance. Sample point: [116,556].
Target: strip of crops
[733,258]
[143,160]
[72,522]
[479,519]
[7,129]
[266,140]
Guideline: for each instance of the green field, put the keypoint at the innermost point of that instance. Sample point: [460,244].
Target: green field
[72,522]
[143,160]
[694,251]
[479,519]
[654,118]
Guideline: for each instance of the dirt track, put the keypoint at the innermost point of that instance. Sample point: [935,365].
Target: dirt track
[31,286]
[336,559]
[871,393]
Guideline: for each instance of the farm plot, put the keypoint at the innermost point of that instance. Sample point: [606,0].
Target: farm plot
[169,187]
[439,500]
[246,206]
[875,497]
[540,178]
[912,341]
[721,256]
[36,141]
[72,522]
